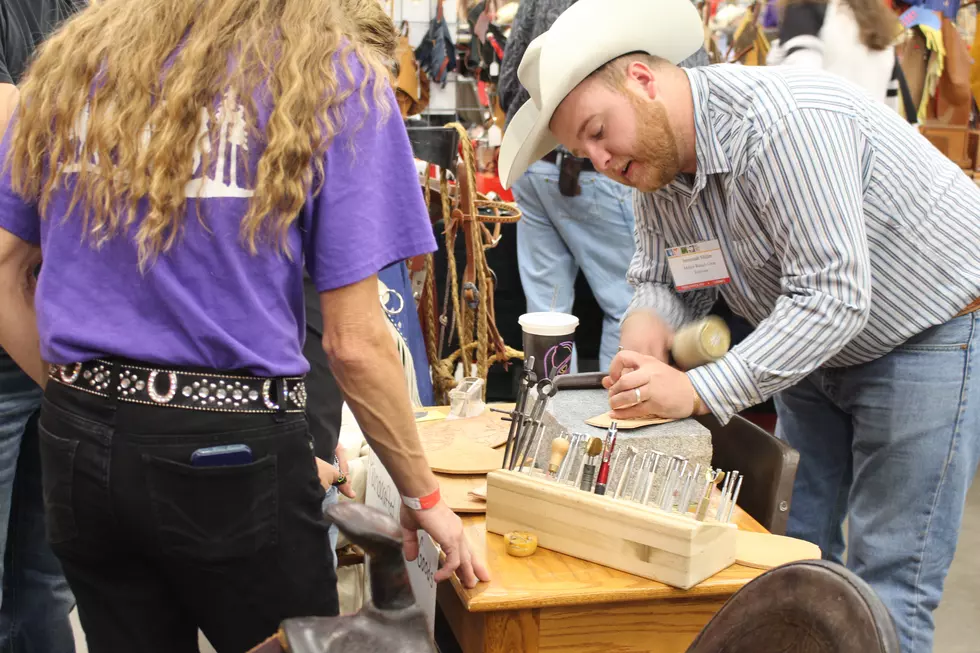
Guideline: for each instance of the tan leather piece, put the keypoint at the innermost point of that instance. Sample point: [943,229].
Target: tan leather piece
[914,57]
[954,85]
[412,84]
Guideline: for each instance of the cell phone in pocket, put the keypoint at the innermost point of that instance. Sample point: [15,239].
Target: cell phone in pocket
[223,456]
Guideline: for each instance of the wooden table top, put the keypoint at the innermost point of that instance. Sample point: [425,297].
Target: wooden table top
[550,579]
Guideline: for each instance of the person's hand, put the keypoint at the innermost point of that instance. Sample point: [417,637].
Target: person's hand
[328,473]
[645,333]
[641,386]
[345,488]
[446,529]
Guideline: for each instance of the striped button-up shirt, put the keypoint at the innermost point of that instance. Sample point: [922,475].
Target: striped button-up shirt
[845,232]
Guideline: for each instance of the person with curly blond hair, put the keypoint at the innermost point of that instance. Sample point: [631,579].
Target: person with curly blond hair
[177,164]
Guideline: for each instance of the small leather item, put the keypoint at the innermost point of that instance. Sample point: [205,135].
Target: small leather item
[552,157]
[972,307]
[914,56]
[954,84]
[803,607]
[568,171]
[411,85]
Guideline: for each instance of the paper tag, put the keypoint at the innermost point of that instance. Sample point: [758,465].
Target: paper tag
[382,494]
[494,69]
[698,265]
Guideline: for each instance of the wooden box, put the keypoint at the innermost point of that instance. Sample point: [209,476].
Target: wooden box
[673,549]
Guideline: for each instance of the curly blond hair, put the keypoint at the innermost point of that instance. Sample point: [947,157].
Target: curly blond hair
[373,26]
[139,75]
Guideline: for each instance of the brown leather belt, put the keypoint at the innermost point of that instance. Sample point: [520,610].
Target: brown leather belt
[972,308]
[552,157]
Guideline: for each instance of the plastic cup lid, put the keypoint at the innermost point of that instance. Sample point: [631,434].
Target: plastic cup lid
[548,324]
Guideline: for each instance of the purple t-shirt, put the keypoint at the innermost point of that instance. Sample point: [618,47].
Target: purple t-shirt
[208,302]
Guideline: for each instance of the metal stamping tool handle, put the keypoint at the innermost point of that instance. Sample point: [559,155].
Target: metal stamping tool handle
[667,489]
[581,468]
[726,496]
[731,508]
[673,494]
[653,475]
[721,502]
[588,476]
[689,487]
[640,478]
[627,472]
[569,457]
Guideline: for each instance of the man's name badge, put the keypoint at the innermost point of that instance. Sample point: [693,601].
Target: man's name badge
[699,265]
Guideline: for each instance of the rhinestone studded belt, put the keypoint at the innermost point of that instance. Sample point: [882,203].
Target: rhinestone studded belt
[174,389]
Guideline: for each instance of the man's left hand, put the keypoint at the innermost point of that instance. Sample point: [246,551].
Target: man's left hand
[663,390]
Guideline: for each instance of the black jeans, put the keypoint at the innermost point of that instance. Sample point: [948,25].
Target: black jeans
[155,549]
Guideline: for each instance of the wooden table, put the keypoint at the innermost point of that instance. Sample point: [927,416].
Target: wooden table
[557,603]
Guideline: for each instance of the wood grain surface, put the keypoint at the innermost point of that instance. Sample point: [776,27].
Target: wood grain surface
[549,579]
[647,627]
[554,603]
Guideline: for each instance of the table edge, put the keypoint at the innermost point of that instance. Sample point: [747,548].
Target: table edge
[579,598]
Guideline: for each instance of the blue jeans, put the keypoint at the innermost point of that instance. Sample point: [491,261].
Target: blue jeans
[329,499]
[892,444]
[36,600]
[559,235]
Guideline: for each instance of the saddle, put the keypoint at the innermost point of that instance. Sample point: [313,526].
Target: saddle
[803,607]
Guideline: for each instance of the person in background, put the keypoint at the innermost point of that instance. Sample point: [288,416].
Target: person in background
[853,39]
[837,229]
[35,601]
[573,217]
[174,199]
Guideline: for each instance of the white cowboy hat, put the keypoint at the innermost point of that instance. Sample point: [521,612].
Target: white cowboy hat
[588,35]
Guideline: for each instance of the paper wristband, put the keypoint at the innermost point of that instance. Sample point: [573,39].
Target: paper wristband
[422,503]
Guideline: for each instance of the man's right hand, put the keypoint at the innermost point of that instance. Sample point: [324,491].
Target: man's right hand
[446,528]
[645,333]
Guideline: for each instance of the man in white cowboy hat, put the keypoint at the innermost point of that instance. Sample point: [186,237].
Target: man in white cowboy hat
[573,218]
[830,224]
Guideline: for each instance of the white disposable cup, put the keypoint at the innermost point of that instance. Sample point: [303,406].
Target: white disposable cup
[550,338]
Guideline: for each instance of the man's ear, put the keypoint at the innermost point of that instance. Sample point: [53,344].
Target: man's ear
[643,76]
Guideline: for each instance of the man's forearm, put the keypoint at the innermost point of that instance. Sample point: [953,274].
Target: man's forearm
[373,387]
[673,308]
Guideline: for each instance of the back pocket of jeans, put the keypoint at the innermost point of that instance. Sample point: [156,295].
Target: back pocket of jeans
[57,479]
[211,514]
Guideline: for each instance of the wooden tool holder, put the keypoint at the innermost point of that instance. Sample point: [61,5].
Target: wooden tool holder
[639,539]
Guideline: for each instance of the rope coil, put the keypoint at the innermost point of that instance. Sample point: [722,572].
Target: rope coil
[479,341]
